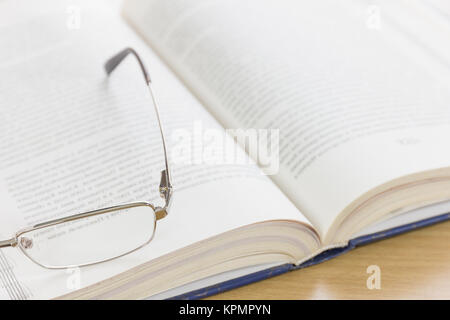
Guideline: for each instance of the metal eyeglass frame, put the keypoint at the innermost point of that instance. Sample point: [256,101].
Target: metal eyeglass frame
[165,186]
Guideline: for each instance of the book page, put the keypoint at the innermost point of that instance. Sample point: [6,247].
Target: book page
[73,140]
[358,100]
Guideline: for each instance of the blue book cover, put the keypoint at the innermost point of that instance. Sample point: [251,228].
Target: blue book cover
[324,256]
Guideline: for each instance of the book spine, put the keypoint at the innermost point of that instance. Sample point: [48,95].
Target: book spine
[322,257]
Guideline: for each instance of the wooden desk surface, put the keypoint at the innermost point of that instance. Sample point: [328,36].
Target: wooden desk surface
[415,265]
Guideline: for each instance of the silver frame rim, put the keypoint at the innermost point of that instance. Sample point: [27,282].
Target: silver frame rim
[79,217]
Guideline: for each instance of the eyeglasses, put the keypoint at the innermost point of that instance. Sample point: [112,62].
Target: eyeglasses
[97,236]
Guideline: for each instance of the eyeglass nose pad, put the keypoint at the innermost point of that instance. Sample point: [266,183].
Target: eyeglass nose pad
[26,243]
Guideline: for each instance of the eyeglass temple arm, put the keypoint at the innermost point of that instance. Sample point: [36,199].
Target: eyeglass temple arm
[165,186]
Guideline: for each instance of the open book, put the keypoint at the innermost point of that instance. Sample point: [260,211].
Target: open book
[359,91]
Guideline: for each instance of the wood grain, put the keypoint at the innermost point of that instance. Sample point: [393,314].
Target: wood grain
[415,265]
